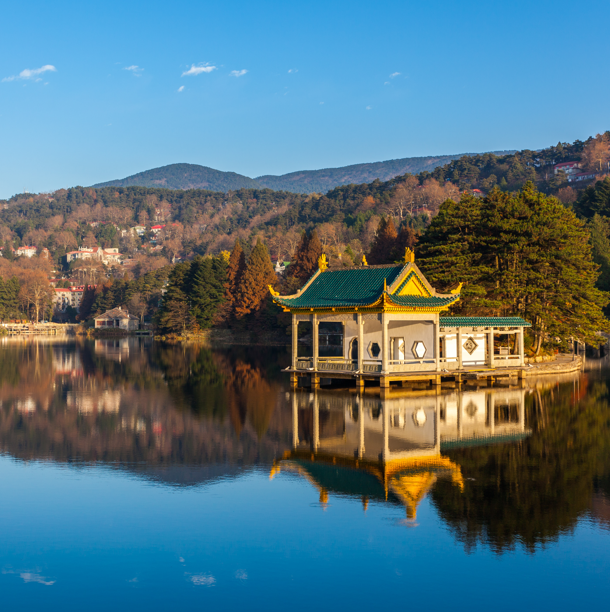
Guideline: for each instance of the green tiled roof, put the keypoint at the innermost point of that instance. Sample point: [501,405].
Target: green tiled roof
[483,322]
[344,288]
[420,301]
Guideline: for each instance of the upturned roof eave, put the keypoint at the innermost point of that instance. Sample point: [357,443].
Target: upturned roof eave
[383,302]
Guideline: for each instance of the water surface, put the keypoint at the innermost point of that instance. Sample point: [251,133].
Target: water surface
[138,475]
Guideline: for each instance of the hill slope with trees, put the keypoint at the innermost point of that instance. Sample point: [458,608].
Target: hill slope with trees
[167,238]
[185,176]
[321,181]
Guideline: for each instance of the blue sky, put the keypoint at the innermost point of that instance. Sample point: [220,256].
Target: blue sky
[273,87]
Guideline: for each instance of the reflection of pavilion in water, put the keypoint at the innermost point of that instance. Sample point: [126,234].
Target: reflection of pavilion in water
[390,449]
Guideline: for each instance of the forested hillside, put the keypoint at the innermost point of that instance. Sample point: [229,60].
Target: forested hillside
[321,181]
[192,176]
[156,228]
[185,176]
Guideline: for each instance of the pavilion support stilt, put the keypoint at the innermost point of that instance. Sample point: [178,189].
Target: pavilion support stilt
[359,383]
[294,381]
[315,381]
[384,382]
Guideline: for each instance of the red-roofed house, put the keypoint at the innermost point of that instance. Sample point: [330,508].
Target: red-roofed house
[25,251]
[569,168]
[106,256]
[70,296]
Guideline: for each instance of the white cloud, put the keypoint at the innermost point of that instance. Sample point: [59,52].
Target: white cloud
[293,70]
[203,580]
[29,577]
[394,74]
[195,70]
[238,73]
[181,88]
[28,74]
[241,575]
[134,69]
[387,83]
[369,107]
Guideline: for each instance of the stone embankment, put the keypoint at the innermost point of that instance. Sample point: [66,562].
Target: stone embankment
[561,364]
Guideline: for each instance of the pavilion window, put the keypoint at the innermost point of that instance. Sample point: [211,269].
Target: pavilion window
[330,335]
[374,350]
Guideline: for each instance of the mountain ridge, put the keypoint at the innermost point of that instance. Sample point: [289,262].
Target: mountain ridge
[193,176]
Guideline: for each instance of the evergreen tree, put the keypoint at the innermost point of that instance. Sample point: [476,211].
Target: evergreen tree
[174,315]
[206,288]
[595,200]
[519,254]
[7,252]
[86,303]
[599,227]
[305,260]
[253,290]
[383,247]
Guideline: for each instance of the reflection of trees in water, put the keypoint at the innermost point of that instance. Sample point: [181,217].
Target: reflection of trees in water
[533,491]
[165,404]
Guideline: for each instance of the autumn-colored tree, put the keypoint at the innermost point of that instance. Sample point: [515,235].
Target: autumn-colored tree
[406,239]
[596,154]
[137,306]
[89,241]
[235,272]
[35,293]
[383,247]
[253,289]
[567,195]
[305,260]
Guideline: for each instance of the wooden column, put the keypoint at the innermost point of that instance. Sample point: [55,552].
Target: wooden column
[295,340]
[459,348]
[360,342]
[385,345]
[521,348]
[316,340]
[437,345]
[490,345]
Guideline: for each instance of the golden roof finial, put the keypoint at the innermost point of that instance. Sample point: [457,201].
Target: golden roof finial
[409,256]
[385,285]
[457,289]
[364,262]
[322,262]
[272,291]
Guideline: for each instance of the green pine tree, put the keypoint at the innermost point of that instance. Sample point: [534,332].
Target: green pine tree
[519,254]
[206,288]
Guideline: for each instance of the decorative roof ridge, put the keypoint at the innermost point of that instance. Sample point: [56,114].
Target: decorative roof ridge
[413,266]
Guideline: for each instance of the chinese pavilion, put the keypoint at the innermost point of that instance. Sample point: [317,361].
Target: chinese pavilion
[385,323]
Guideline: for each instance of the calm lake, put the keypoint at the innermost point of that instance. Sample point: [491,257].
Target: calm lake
[145,476]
